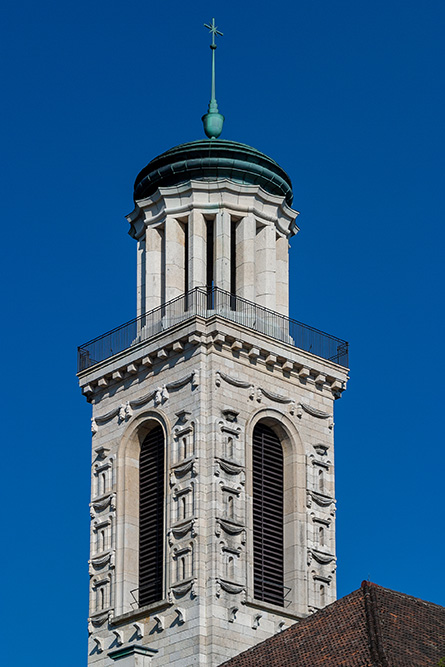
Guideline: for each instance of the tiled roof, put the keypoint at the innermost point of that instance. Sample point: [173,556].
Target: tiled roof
[371,627]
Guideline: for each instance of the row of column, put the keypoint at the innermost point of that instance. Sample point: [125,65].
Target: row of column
[173,258]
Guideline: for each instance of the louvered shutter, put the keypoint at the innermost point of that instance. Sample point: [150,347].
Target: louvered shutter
[151,517]
[268,516]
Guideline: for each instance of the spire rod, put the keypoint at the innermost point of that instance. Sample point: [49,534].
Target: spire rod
[213,120]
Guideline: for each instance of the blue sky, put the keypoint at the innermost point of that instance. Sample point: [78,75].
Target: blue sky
[349,98]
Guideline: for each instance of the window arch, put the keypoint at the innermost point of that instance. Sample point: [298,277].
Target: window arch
[268,521]
[151,516]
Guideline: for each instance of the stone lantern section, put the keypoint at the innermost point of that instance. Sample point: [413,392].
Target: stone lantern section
[213,504]
[212,214]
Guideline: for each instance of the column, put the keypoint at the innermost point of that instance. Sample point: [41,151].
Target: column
[153,267]
[174,257]
[282,247]
[140,300]
[197,232]
[245,258]
[222,250]
[265,256]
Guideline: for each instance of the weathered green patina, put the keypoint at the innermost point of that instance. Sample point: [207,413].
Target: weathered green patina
[210,160]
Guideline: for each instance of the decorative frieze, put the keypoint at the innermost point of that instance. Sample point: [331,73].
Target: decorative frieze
[159,395]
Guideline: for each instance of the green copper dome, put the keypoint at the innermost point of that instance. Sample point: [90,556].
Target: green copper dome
[209,160]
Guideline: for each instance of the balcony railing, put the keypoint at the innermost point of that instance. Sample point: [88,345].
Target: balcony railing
[206,303]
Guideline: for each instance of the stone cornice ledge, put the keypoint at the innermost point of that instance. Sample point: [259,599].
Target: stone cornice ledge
[131,650]
[199,332]
[211,196]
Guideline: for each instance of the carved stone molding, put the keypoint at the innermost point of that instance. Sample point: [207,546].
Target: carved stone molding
[231,528]
[279,398]
[179,590]
[99,562]
[229,587]
[314,412]
[181,470]
[99,619]
[160,396]
[229,468]
[102,503]
[139,402]
[319,556]
[319,499]
[103,419]
[180,531]
[235,382]
[230,415]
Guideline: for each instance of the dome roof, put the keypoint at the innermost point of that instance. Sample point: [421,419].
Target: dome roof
[210,159]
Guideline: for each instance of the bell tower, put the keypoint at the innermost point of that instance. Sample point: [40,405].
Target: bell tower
[213,506]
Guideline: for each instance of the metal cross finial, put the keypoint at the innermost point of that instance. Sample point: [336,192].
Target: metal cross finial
[214,32]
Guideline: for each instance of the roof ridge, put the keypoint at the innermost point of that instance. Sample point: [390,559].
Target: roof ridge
[378,655]
[414,598]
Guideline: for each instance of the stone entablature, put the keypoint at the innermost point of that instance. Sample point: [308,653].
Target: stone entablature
[216,332]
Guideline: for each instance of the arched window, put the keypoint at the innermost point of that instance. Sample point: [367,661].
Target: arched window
[268,533]
[151,517]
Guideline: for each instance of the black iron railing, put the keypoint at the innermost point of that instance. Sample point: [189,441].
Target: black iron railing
[205,303]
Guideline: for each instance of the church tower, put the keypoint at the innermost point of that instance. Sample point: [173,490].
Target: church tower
[212,508]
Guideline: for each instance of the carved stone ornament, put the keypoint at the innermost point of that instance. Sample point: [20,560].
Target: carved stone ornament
[229,528]
[319,414]
[100,562]
[139,402]
[184,468]
[322,558]
[279,398]
[181,531]
[181,590]
[125,412]
[233,381]
[102,451]
[160,395]
[229,587]
[320,499]
[319,557]
[183,416]
[103,503]
[230,415]
[230,468]
[103,419]
[99,619]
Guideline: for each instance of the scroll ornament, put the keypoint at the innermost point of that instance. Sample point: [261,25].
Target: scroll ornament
[233,381]
[160,395]
[319,414]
